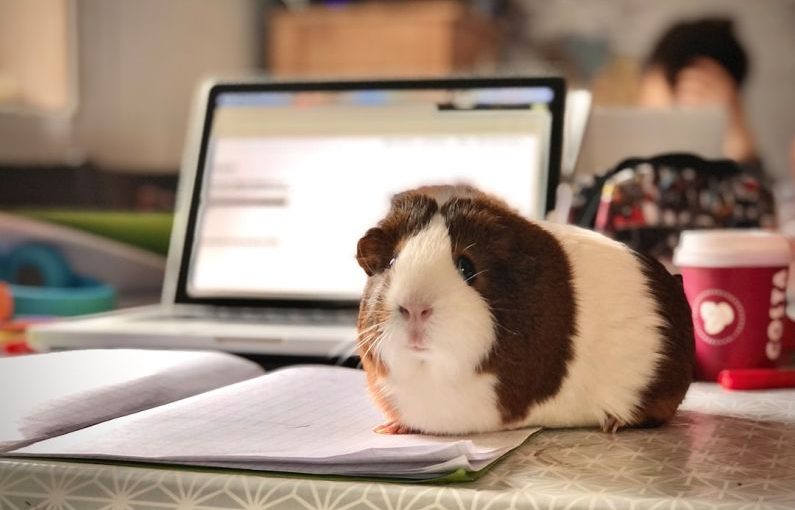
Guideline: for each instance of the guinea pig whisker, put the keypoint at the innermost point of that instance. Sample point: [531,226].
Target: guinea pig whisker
[348,350]
[509,310]
[373,347]
[506,329]
[370,329]
[367,351]
[369,348]
[471,245]
[476,274]
[373,326]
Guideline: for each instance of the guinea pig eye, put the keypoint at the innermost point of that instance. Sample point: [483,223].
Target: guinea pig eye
[466,268]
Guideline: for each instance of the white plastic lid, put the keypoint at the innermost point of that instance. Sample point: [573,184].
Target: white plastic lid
[732,248]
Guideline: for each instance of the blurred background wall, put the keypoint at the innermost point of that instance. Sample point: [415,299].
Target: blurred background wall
[140,61]
[97,88]
[41,71]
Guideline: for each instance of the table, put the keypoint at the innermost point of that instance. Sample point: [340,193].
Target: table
[723,450]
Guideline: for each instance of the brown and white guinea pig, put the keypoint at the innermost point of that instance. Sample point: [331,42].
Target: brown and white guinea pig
[475,319]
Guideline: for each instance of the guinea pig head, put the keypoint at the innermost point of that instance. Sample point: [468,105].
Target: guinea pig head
[420,304]
[456,286]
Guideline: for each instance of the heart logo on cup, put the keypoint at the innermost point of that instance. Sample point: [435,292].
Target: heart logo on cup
[716,316]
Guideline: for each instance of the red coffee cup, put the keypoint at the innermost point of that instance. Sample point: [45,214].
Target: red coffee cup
[736,282]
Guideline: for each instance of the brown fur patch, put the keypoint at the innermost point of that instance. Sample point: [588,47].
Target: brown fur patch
[527,282]
[674,374]
[410,212]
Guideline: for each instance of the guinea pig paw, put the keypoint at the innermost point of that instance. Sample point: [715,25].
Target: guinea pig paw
[393,427]
[612,424]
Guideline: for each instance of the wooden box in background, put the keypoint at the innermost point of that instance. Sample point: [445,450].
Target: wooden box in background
[401,38]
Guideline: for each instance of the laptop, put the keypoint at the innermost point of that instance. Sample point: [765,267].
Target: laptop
[279,180]
[614,134]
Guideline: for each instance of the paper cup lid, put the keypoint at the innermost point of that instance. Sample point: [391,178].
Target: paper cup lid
[732,248]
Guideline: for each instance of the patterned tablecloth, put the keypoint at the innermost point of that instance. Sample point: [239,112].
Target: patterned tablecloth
[724,450]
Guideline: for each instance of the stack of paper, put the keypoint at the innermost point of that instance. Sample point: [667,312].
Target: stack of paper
[307,419]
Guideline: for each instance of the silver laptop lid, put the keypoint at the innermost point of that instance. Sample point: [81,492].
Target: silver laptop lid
[613,134]
[280,180]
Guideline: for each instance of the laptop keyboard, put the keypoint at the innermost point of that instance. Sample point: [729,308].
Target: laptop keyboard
[287,316]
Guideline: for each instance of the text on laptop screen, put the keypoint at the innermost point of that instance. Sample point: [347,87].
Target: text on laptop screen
[292,180]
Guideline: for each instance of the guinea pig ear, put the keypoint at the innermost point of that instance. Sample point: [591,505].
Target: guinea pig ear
[374,250]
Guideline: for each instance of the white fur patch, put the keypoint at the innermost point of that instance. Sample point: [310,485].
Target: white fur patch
[617,345]
[438,390]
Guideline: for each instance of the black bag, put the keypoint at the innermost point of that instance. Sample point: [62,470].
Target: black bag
[647,202]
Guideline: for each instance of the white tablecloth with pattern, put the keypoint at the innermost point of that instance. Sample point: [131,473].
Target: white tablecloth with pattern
[724,450]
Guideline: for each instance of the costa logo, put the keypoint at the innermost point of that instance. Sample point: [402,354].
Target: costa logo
[718,316]
[778,304]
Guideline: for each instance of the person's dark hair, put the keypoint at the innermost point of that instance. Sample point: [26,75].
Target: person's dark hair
[709,37]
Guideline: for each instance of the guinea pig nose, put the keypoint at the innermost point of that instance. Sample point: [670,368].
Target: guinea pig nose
[415,312]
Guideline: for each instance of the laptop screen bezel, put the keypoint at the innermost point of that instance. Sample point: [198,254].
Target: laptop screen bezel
[195,163]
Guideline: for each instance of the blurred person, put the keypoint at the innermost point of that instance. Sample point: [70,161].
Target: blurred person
[702,63]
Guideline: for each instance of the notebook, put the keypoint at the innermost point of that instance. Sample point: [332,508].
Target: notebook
[279,181]
[214,409]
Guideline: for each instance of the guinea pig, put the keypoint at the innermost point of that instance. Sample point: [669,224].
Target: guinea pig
[476,319]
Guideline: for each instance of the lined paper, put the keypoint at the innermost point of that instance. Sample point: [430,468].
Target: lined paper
[50,394]
[310,419]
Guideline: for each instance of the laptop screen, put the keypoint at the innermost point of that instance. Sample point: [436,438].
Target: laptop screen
[292,176]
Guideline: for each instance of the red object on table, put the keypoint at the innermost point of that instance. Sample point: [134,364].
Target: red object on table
[17,347]
[756,378]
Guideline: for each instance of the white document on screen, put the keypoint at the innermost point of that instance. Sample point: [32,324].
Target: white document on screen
[280,217]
